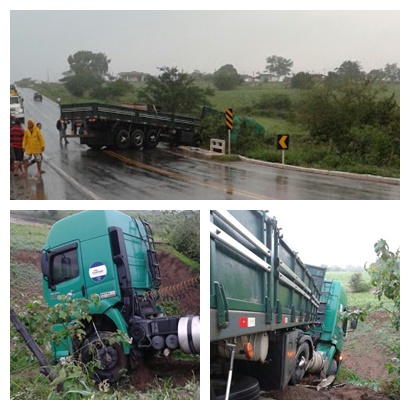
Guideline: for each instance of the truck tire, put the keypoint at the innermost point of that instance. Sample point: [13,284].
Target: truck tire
[113,360]
[332,368]
[242,388]
[152,139]
[137,139]
[122,139]
[302,358]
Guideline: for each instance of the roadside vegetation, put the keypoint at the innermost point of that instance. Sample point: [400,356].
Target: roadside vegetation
[373,293]
[347,120]
[72,380]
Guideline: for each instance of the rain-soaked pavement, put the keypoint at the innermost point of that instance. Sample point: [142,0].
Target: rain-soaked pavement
[49,186]
[74,172]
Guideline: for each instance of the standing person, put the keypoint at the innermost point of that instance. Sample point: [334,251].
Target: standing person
[16,146]
[62,128]
[33,145]
[39,126]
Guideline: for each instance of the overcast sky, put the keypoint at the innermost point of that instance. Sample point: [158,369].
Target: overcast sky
[323,232]
[316,41]
[338,232]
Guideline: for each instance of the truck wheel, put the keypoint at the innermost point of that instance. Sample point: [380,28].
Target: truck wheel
[152,139]
[137,139]
[122,139]
[242,388]
[113,360]
[332,368]
[302,358]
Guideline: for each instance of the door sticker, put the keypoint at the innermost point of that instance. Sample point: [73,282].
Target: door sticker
[97,271]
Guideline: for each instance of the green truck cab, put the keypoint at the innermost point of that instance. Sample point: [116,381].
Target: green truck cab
[112,255]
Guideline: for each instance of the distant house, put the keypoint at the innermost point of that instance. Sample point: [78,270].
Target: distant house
[262,78]
[133,76]
[250,79]
[270,78]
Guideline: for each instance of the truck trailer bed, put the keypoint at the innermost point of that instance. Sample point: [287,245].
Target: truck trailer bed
[258,283]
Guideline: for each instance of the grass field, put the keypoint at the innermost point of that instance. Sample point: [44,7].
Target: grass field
[364,300]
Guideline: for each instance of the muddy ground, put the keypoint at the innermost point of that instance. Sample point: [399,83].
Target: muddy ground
[368,364]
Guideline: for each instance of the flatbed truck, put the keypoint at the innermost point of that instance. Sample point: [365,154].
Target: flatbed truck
[128,125]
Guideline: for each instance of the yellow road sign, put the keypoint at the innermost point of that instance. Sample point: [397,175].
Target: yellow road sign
[283,141]
[229,118]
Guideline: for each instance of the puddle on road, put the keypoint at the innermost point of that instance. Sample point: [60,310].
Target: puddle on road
[26,188]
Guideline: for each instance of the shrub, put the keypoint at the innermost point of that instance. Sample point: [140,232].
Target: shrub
[185,236]
[357,284]
[278,105]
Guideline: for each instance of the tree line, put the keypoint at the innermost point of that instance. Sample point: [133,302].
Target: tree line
[348,115]
[89,73]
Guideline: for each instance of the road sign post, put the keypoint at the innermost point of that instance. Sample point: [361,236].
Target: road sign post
[229,125]
[283,144]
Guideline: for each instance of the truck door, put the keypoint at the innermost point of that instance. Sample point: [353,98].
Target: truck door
[62,273]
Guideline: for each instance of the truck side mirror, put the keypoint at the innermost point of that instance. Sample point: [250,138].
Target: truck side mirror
[45,266]
[353,323]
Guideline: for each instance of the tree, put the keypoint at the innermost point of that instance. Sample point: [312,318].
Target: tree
[108,90]
[87,72]
[385,276]
[355,118]
[226,78]
[350,71]
[200,76]
[174,91]
[392,73]
[378,74]
[89,62]
[357,284]
[82,83]
[278,66]
[302,81]
[185,237]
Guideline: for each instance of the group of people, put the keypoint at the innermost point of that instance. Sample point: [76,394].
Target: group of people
[26,147]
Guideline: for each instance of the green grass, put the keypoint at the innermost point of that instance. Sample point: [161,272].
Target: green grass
[27,238]
[361,300]
[24,278]
[343,277]
[350,377]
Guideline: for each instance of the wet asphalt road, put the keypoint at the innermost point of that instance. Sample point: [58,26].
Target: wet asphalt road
[74,172]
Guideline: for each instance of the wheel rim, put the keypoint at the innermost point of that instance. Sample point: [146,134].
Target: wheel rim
[302,358]
[107,355]
[123,139]
[137,138]
[113,360]
[152,138]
